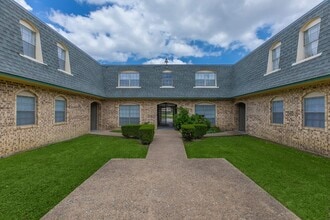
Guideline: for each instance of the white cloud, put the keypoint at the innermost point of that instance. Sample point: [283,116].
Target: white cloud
[162,61]
[160,28]
[24,4]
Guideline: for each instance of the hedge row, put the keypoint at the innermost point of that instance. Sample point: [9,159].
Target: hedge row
[193,131]
[143,132]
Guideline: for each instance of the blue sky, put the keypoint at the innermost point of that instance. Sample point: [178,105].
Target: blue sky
[185,31]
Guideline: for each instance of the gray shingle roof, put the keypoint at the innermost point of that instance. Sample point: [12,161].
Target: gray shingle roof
[244,77]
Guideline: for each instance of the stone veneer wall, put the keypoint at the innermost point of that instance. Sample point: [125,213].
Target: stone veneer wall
[148,111]
[292,132]
[19,138]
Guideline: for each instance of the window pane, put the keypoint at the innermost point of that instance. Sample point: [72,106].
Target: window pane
[60,108]
[277,112]
[311,37]
[208,111]
[129,79]
[61,58]
[205,79]
[129,114]
[28,41]
[314,112]
[167,79]
[25,107]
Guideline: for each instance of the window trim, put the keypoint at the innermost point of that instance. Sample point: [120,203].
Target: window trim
[128,87]
[215,110]
[277,99]
[27,93]
[61,98]
[130,104]
[270,59]
[207,72]
[67,68]
[315,95]
[38,50]
[300,58]
[168,72]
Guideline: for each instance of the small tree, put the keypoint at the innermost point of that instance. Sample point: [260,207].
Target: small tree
[181,118]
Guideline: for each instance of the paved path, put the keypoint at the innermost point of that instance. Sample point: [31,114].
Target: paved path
[167,185]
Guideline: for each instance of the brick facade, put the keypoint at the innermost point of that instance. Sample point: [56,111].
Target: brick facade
[19,138]
[292,132]
[148,111]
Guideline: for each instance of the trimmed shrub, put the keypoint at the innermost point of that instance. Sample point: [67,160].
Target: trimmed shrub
[188,132]
[130,131]
[199,119]
[200,130]
[146,133]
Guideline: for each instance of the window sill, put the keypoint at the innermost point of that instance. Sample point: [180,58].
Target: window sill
[314,128]
[277,124]
[63,71]
[274,71]
[167,87]
[60,123]
[128,87]
[307,59]
[35,60]
[26,126]
[206,87]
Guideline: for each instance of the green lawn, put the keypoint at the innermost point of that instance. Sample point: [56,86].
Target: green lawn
[299,180]
[33,182]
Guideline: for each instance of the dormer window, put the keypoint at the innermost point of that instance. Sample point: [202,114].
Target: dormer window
[63,59]
[274,58]
[308,41]
[30,42]
[311,40]
[205,79]
[129,79]
[167,79]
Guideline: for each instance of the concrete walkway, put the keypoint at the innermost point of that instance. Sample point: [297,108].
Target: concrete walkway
[167,185]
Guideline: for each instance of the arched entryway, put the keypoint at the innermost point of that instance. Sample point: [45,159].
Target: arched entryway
[95,108]
[165,114]
[241,116]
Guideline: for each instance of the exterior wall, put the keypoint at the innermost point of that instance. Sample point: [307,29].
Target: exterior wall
[148,111]
[292,132]
[19,138]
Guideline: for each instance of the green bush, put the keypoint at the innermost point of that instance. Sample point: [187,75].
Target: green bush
[181,118]
[188,132]
[199,119]
[146,133]
[130,131]
[200,130]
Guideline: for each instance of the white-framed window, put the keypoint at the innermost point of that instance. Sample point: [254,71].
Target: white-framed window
[277,111]
[129,79]
[63,59]
[25,109]
[167,79]
[205,79]
[314,110]
[308,41]
[208,111]
[31,41]
[60,109]
[274,58]
[129,114]
[311,40]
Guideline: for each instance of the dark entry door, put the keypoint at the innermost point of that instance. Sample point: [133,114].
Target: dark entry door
[165,114]
[241,117]
[94,116]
